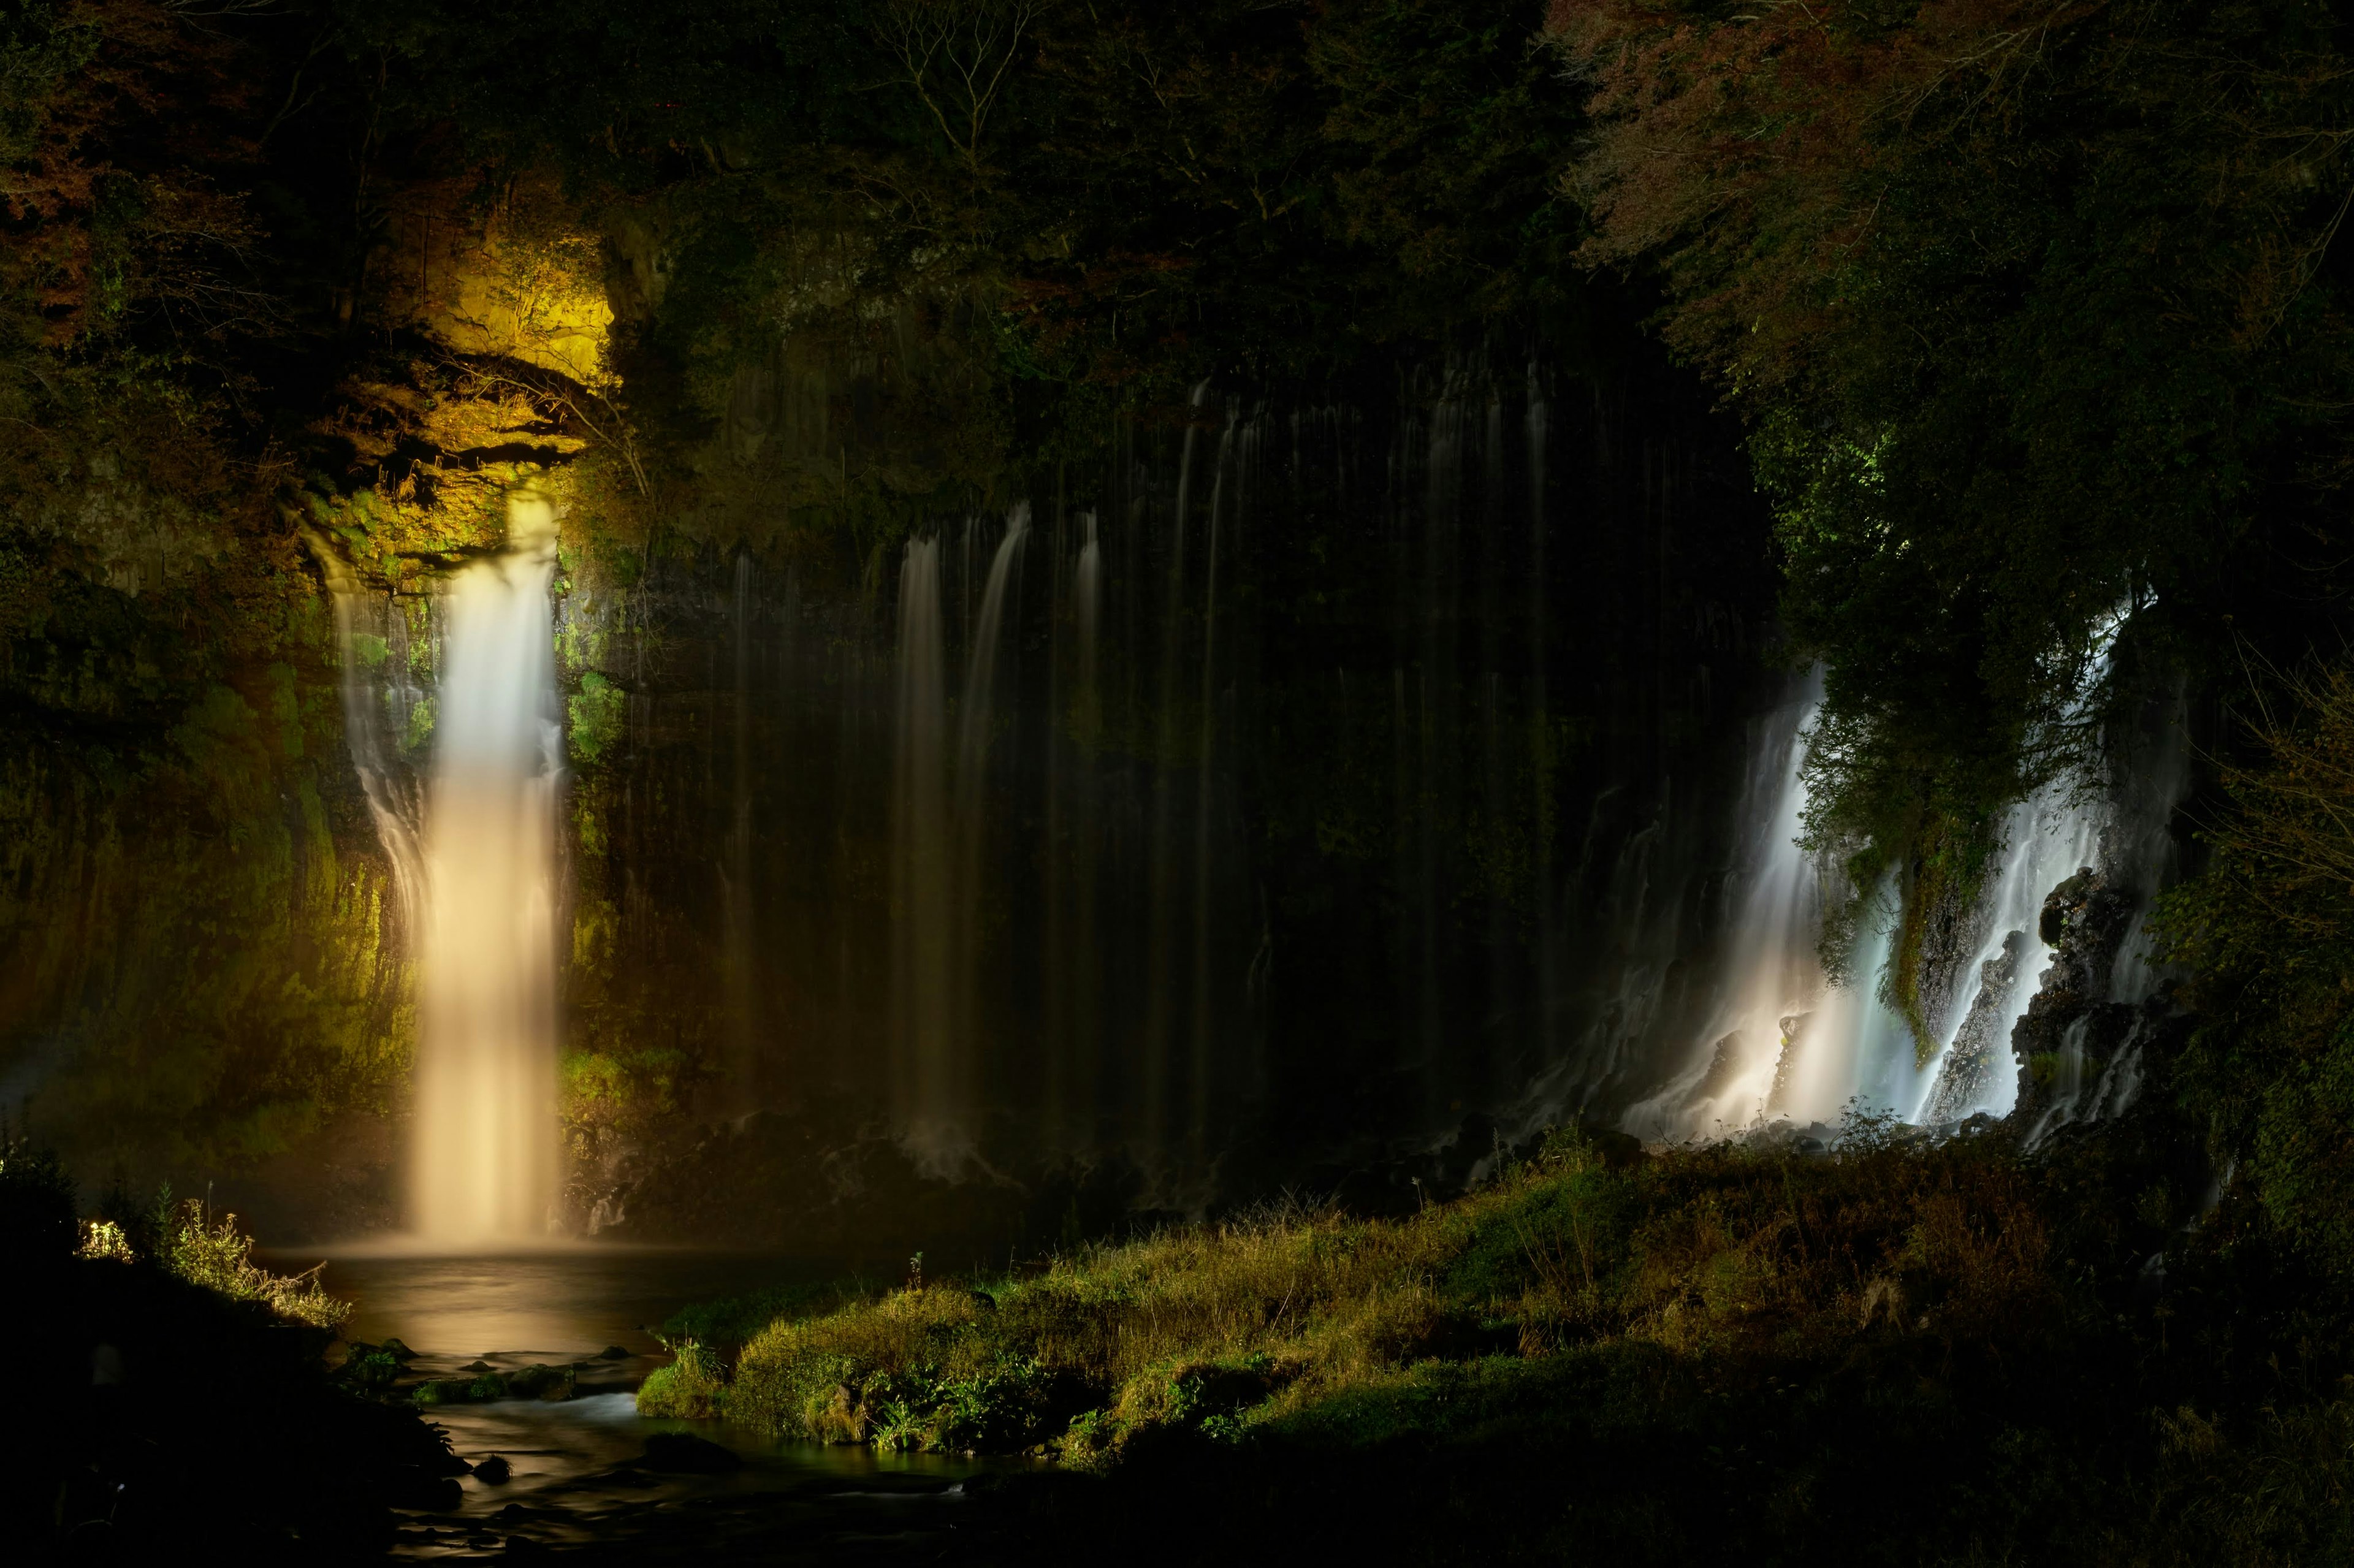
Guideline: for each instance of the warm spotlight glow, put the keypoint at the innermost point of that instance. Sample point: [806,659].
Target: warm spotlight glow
[485,1161]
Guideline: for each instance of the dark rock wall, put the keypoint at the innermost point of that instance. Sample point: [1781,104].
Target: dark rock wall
[1474,682]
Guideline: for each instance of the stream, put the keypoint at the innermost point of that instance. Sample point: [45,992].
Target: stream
[577,1481]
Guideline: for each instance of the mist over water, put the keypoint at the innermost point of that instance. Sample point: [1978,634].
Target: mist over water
[484,1160]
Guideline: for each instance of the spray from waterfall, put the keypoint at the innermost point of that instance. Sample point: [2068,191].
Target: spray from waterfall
[484,1164]
[1773,977]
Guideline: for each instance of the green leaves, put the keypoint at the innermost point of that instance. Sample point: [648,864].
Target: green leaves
[2004,290]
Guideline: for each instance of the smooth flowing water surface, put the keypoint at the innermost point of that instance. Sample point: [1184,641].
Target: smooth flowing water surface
[578,1477]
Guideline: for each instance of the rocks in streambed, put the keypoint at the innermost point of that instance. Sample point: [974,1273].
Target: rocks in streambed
[535,1382]
[493,1471]
[684,1453]
[612,1353]
[370,1368]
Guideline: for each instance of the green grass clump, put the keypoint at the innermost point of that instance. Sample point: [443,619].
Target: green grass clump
[689,1387]
[1295,1318]
[1900,1351]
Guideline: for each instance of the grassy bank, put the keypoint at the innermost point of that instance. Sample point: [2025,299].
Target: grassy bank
[1895,1350]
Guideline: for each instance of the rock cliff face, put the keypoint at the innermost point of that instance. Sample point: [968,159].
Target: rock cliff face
[1346,777]
[2078,1047]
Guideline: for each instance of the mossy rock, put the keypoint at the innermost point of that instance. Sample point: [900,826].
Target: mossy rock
[545,1383]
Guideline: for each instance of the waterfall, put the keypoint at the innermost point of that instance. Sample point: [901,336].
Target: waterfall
[976,712]
[484,1162]
[736,871]
[1538,420]
[939,857]
[2058,831]
[1087,592]
[391,795]
[1781,1043]
[951,1140]
[1084,954]
[1197,1130]
[923,1064]
[1161,955]
[1770,977]
[2046,839]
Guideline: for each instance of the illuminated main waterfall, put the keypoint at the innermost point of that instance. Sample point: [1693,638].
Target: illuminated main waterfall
[485,1161]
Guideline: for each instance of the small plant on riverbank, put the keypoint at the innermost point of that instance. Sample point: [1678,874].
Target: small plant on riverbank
[689,1387]
[219,1256]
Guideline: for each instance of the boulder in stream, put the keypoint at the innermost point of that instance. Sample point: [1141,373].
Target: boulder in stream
[684,1453]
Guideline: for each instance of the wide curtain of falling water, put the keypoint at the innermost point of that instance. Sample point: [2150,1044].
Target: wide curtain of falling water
[938,850]
[485,1161]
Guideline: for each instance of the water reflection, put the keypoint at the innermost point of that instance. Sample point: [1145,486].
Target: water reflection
[577,1472]
[566,1302]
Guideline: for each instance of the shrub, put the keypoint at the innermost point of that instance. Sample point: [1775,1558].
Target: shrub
[220,1257]
[689,1387]
[2267,936]
[36,1203]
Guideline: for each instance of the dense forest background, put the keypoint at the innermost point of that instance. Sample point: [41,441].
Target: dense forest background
[2029,316]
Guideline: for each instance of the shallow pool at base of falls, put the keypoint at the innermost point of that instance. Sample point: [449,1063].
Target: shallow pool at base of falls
[577,1480]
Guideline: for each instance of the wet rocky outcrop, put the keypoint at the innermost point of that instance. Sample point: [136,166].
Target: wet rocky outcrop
[1977,1053]
[2075,1029]
[1786,1066]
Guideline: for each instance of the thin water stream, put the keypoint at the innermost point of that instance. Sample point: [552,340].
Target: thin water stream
[578,1479]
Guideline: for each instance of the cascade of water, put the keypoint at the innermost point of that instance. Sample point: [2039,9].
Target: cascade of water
[1053,845]
[1853,1050]
[924,1066]
[1538,419]
[976,717]
[940,839]
[1433,718]
[975,713]
[1504,959]
[362,625]
[1160,998]
[1770,977]
[486,1157]
[2047,837]
[736,872]
[1087,580]
[1198,1128]
[1086,1004]
[1842,1045]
